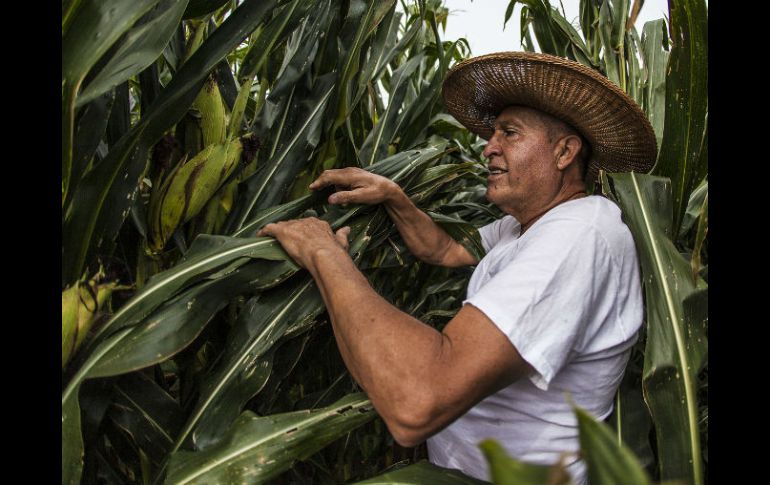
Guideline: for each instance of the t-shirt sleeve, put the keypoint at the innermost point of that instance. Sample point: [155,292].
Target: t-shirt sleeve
[541,297]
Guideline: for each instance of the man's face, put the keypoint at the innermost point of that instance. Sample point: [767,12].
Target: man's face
[521,160]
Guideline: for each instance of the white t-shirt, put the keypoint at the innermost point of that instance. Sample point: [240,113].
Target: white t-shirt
[568,295]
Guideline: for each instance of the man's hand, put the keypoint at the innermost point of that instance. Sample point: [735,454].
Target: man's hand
[304,238]
[356,186]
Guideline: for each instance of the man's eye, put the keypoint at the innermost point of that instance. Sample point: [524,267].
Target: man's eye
[509,132]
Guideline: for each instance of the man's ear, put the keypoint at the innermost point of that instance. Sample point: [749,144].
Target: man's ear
[567,150]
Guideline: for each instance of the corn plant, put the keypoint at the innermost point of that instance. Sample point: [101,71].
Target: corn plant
[193,352]
[187,128]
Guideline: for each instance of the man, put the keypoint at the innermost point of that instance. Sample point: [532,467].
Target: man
[552,309]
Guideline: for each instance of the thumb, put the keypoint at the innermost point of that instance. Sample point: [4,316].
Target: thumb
[342,236]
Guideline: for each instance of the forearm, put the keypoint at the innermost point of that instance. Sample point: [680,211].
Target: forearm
[424,238]
[393,356]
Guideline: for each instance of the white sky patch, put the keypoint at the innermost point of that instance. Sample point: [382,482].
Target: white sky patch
[481,22]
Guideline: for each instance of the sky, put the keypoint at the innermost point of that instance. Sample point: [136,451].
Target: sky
[481,22]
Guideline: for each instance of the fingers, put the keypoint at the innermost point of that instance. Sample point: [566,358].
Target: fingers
[346,197]
[268,230]
[342,235]
[341,176]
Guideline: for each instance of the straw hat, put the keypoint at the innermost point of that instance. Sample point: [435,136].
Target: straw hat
[621,138]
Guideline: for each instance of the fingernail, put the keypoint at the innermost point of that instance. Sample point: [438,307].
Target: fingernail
[332,199]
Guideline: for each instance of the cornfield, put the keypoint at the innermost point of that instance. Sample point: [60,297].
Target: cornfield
[195,352]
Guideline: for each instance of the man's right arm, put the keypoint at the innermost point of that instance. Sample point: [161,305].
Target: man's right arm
[424,238]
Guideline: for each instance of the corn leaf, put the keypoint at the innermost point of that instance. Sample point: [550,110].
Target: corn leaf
[301,49]
[262,322]
[141,47]
[199,8]
[655,51]
[257,449]
[694,206]
[505,470]
[375,146]
[147,413]
[606,32]
[700,237]
[267,186]
[676,339]
[608,462]
[360,22]
[284,21]
[90,33]
[90,127]
[420,473]
[680,156]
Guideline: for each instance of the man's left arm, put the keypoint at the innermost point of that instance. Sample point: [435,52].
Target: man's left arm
[419,379]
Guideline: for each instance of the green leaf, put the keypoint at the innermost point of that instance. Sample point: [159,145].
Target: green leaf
[686,104]
[268,185]
[654,49]
[589,17]
[140,48]
[422,473]
[630,418]
[606,30]
[375,146]
[301,50]
[257,449]
[91,126]
[262,322]
[89,34]
[147,413]
[359,24]
[105,194]
[508,12]
[608,463]
[676,345]
[206,256]
[694,206]
[382,50]
[700,237]
[504,470]
[199,8]
[285,19]
[462,232]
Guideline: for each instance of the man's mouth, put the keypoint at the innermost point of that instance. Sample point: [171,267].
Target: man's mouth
[496,171]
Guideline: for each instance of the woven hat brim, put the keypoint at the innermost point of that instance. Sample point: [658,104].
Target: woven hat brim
[621,138]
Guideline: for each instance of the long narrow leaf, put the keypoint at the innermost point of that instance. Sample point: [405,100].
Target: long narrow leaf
[141,47]
[686,103]
[264,321]
[257,449]
[655,50]
[267,186]
[505,470]
[608,462]
[676,345]
[376,144]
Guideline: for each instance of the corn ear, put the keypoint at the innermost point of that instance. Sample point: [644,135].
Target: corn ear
[188,188]
[82,305]
[213,118]
[213,217]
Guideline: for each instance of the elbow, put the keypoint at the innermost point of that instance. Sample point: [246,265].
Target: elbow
[412,424]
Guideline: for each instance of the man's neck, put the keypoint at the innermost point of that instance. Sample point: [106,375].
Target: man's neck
[567,194]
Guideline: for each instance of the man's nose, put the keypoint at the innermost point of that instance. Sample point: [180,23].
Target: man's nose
[492,148]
